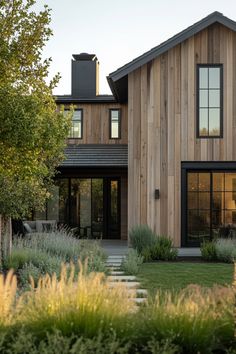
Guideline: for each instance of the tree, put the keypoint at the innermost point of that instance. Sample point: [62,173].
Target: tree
[32,130]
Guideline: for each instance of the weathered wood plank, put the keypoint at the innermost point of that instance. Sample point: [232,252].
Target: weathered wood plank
[143,142]
[168,125]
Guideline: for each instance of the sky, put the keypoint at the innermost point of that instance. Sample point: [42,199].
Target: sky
[117,31]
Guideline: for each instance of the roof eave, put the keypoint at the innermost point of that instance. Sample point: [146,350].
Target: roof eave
[215,17]
[113,88]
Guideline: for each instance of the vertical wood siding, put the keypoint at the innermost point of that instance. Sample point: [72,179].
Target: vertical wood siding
[162,126]
[96,124]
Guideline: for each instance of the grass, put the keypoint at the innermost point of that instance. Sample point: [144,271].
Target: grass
[177,275]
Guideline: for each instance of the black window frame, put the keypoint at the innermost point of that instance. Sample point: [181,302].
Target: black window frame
[82,119]
[198,167]
[110,123]
[199,136]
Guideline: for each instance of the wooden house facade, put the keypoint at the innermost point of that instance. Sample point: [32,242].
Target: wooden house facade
[162,149]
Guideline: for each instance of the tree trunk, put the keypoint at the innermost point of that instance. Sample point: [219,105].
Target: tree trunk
[0,239]
[5,237]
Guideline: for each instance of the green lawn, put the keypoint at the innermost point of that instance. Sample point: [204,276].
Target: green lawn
[177,275]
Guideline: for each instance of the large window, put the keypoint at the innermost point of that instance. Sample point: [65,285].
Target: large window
[115,124]
[209,101]
[76,130]
[211,205]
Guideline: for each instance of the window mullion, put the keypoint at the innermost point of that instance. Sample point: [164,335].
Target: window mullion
[208,96]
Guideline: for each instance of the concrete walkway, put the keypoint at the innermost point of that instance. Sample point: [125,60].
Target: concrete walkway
[120,248]
[189,252]
[115,247]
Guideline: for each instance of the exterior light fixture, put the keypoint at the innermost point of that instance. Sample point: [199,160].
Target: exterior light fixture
[157,194]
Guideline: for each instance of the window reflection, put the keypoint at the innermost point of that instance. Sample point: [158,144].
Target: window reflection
[76,124]
[211,204]
[97,207]
[209,101]
[115,123]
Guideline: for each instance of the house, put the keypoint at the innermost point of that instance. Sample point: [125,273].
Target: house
[162,149]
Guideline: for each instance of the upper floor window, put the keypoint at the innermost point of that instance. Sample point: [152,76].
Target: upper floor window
[115,124]
[210,101]
[76,130]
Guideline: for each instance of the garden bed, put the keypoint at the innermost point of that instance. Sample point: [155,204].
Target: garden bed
[84,315]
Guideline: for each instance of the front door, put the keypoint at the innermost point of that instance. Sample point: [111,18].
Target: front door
[209,205]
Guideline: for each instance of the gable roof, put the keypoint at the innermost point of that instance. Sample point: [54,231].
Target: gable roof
[116,79]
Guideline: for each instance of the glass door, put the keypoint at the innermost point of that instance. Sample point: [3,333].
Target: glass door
[97,224]
[91,205]
[113,209]
[86,206]
[198,207]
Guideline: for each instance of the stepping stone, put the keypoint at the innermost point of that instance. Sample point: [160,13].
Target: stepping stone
[116,272]
[128,284]
[121,278]
[140,300]
[117,277]
[113,264]
[115,259]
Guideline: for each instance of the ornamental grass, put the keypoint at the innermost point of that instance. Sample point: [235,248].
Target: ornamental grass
[79,303]
[197,319]
[85,308]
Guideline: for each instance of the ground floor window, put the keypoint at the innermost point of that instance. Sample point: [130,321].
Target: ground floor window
[90,205]
[209,204]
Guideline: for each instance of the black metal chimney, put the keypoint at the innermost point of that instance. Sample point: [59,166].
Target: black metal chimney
[85,75]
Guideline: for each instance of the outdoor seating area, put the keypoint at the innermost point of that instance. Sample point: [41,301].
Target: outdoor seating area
[95,231]
[39,225]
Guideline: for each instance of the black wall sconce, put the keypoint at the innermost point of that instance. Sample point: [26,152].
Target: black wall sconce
[157,194]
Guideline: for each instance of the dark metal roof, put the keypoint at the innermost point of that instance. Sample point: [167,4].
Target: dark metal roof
[97,99]
[214,17]
[94,155]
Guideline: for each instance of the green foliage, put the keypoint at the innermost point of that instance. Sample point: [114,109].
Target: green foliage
[141,237]
[151,246]
[59,243]
[57,343]
[90,249]
[32,132]
[74,304]
[132,262]
[208,251]
[222,250]
[44,253]
[28,271]
[163,249]
[226,250]
[196,320]
[85,315]
[162,347]
[18,258]
[23,257]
